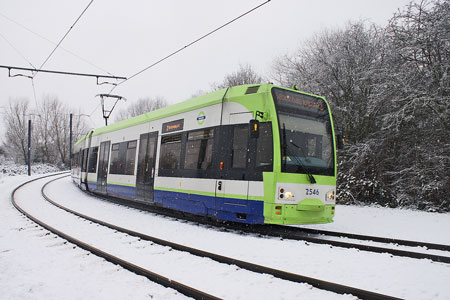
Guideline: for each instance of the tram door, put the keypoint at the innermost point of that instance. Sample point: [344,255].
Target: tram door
[146,166]
[103,159]
[234,152]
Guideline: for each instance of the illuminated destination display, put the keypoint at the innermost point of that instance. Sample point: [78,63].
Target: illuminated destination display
[173,126]
[306,101]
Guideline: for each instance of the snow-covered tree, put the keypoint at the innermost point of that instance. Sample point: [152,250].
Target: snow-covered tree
[244,75]
[389,91]
[342,66]
[416,123]
[140,107]
[49,131]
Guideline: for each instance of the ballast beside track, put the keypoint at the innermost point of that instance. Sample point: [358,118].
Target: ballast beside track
[321,284]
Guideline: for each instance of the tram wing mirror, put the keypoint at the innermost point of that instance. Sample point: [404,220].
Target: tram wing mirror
[254,129]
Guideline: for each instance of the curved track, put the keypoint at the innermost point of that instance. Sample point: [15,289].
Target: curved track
[305,234]
[167,282]
[324,285]
[313,236]
[377,239]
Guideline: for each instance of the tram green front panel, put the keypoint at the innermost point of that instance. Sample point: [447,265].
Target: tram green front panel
[311,210]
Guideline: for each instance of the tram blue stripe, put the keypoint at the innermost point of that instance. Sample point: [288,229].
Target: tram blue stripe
[121,190]
[222,208]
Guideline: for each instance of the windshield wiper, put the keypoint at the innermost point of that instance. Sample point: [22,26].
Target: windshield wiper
[303,152]
[296,160]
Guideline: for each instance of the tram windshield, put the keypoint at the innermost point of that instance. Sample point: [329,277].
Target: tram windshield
[305,133]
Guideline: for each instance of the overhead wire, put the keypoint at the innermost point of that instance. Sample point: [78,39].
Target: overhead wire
[56,47]
[52,42]
[190,44]
[146,68]
[23,56]
[65,35]
[17,50]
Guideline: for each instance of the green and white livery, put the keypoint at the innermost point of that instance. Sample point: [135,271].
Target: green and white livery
[250,153]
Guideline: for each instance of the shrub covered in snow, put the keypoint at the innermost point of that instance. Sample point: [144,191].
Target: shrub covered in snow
[9,168]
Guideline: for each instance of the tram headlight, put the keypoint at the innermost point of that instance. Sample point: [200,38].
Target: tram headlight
[285,195]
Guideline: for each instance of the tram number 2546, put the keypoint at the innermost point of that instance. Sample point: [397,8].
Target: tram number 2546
[312,192]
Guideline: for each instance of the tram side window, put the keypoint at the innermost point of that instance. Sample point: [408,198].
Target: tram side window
[199,147]
[264,148]
[240,147]
[170,152]
[114,165]
[75,160]
[123,157]
[80,158]
[92,164]
[130,158]
[83,160]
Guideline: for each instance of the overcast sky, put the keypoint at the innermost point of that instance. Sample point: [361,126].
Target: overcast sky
[124,37]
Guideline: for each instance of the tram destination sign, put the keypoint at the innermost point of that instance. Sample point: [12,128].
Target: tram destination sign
[173,126]
[298,99]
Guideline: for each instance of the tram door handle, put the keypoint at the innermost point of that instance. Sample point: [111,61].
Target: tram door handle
[219,185]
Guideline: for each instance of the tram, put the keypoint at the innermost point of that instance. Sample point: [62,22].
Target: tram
[253,154]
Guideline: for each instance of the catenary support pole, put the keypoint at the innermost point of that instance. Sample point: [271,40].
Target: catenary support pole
[70,141]
[29,148]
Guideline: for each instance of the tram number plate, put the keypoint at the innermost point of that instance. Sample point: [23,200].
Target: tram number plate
[312,192]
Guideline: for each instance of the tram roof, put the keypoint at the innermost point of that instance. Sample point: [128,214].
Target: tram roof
[184,106]
[178,108]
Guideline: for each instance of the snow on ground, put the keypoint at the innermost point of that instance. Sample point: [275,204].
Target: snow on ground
[56,268]
[404,224]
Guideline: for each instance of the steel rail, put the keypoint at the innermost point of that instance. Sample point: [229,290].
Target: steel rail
[286,232]
[373,238]
[293,234]
[321,284]
[162,280]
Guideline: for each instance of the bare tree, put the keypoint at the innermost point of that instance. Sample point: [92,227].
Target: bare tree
[16,121]
[416,124]
[44,127]
[339,65]
[342,65]
[389,90]
[59,128]
[50,131]
[140,107]
[244,75]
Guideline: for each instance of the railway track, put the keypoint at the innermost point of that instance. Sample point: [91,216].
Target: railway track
[164,281]
[185,289]
[315,236]
[311,235]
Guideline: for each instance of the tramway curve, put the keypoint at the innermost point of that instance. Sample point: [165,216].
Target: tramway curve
[360,243]
[321,284]
[167,282]
[396,247]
